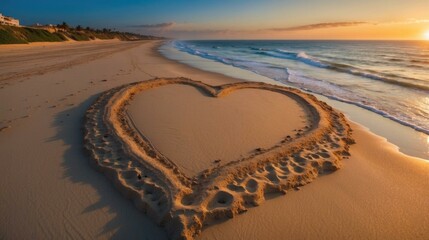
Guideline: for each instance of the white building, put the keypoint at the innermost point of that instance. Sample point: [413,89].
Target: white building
[8,21]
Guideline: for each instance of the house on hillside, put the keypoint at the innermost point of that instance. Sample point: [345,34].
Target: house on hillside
[48,27]
[4,20]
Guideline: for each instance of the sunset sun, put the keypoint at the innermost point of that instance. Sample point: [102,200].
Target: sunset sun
[426,35]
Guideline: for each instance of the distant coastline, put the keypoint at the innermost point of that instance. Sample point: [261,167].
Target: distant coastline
[63,32]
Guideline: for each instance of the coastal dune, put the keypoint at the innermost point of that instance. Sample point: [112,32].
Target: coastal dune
[49,189]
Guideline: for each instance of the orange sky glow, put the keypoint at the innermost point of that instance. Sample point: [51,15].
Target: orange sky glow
[237,19]
[406,30]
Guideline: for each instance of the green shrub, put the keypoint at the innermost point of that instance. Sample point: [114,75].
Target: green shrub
[10,35]
[13,35]
[7,37]
[40,35]
[78,36]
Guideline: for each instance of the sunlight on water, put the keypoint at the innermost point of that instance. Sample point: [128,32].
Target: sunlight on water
[426,35]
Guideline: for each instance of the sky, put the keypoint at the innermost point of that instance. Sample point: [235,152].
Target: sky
[236,19]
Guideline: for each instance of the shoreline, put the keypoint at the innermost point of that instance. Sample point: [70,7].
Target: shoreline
[338,79]
[378,193]
[408,140]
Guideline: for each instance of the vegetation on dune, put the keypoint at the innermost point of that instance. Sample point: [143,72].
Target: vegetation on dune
[77,36]
[7,37]
[13,35]
[40,35]
[63,32]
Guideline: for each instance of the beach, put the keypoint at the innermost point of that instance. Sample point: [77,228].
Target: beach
[50,190]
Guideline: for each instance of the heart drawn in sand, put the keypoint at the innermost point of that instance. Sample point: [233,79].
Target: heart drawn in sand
[184,202]
[196,130]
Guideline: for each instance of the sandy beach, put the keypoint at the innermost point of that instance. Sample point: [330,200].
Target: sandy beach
[213,128]
[190,134]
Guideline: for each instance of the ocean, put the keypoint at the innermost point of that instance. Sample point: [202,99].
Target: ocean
[390,78]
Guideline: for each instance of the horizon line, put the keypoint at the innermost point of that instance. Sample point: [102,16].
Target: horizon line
[290,39]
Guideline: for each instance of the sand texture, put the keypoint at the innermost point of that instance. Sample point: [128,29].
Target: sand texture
[181,119]
[185,204]
[55,57]
[50,191]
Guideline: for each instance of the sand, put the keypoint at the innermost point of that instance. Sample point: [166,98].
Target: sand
[49,189]
[377,194]
[213,128]
[19,61]
[184,204]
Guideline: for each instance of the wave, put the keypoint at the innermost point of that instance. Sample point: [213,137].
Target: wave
[420,61]
[258,49]
[335,92]
[345,68]
[277,73]
[312,61]
[300,56]
[303,57]
[396,60]
[377,111]
[289,77]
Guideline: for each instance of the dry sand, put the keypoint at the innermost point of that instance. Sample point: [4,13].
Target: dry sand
[180,120]
[377,194]
[48,189]
[184,204]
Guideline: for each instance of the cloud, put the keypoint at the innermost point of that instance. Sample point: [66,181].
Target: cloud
[421,21]
[318,26]
[190,30]
[155,26]
[413,20]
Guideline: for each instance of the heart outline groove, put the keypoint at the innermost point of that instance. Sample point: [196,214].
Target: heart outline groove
[183,205]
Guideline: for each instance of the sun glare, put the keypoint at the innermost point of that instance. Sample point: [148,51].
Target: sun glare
[426,35]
